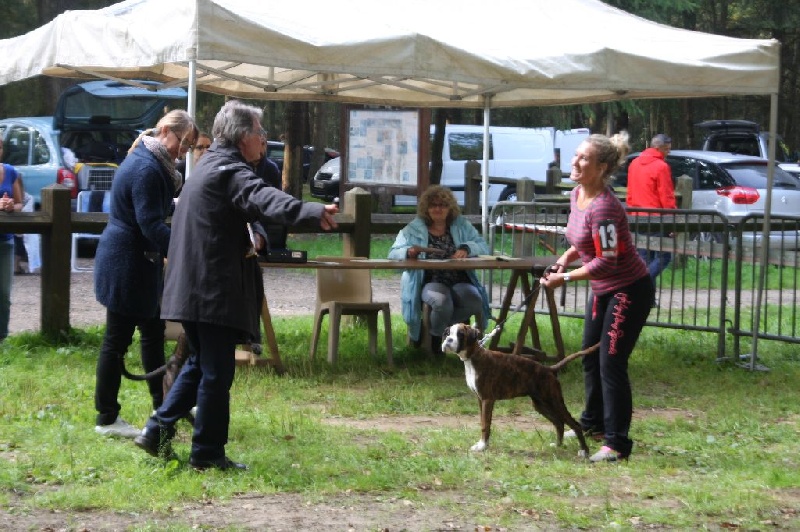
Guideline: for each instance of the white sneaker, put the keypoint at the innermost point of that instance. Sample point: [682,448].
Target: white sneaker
[193,411]
[596,436]
[118,429]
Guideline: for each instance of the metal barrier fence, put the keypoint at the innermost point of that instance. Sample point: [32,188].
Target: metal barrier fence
[778,309]
[711,281]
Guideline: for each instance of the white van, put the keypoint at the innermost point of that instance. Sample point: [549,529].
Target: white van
[514,152]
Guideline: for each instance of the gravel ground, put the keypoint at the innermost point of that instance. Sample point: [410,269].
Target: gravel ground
[289,292]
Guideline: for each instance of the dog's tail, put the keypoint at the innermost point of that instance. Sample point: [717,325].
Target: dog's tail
[179,356]
[567,359]
[145,377]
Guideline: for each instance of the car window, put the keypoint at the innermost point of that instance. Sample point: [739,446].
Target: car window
[711,176]
[41,153]
[740,145]
[467,146]
[681,166]
[755,175]
[16,147]
[275,152]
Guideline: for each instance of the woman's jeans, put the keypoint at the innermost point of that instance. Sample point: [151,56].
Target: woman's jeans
[118,337]
[451,305]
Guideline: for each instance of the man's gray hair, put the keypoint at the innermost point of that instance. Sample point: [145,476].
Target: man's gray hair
[660,140]
[233,121]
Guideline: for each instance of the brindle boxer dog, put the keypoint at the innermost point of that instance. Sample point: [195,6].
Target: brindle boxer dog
[494,376]
[169,370]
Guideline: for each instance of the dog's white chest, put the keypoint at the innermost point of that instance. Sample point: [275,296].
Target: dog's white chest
[472,376]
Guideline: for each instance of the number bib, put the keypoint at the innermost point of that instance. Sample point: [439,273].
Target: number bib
[606,243]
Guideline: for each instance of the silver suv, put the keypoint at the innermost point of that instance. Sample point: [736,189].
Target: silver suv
[735,186]
[745,138]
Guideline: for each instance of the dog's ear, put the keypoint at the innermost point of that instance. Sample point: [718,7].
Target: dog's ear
[471,334]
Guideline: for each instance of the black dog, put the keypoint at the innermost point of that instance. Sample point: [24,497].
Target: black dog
[494,376]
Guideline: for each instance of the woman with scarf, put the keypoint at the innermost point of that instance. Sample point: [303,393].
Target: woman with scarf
[129,263]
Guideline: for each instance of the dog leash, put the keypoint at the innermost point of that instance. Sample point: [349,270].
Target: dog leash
[499,325]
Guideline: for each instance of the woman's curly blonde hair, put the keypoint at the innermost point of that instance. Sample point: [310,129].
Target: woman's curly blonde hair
[438,194]
[610,151]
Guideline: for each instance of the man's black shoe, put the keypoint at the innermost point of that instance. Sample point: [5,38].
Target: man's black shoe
[222,464]
[151,445]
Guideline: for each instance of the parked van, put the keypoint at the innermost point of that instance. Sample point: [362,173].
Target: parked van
[514,152]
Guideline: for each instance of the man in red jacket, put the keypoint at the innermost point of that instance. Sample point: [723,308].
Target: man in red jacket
[650,185]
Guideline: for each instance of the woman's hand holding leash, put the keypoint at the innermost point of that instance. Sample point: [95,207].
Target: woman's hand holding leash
[553,276]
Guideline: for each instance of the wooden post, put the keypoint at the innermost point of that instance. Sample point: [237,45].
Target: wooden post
[525,189]
[683,186]
[553,179]
[358,204]
[683,191]
[472,187]
[522,243]
[56,270]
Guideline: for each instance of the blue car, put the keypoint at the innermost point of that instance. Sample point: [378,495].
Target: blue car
[81,146]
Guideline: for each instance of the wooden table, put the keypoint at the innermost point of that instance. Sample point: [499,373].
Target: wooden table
[525,273]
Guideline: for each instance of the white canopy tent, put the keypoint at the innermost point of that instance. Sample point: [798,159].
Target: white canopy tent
[447,53]
[421,53]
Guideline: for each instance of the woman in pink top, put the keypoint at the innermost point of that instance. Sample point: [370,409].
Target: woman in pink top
[621,296]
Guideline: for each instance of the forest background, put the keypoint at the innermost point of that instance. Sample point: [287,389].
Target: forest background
[318,124]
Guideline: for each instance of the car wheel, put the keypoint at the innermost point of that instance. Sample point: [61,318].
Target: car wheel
[508,194]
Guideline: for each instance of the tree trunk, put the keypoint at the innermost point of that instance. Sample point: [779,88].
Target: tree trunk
[317,111]
[293,150]
[437,146]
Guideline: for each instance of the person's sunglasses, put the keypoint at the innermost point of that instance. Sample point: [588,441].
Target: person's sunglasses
[202,147]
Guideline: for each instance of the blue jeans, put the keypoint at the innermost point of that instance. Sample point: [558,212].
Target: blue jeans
[6,279]
[656,261]
[451,305]
[205,380]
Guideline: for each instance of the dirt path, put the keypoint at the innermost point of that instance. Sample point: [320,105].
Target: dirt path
[290,292]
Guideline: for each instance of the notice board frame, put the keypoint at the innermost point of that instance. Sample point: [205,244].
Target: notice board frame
[371,136]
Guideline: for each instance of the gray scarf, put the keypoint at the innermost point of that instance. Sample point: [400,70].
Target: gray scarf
[156,148]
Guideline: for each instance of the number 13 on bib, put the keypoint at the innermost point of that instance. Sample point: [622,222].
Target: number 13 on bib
[606,243]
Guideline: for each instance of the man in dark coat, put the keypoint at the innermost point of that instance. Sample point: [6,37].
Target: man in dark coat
[211,280]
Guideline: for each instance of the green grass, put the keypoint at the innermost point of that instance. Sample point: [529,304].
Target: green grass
[716,446]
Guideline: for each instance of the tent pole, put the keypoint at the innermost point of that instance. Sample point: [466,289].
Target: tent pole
[487,116]
[191,108]
[762,272]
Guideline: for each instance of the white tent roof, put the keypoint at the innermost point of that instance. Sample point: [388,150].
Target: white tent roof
[440,53]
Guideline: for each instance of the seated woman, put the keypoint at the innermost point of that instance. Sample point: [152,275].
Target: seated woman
[439,232]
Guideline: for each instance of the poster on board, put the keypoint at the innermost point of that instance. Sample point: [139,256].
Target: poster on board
[384,150]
